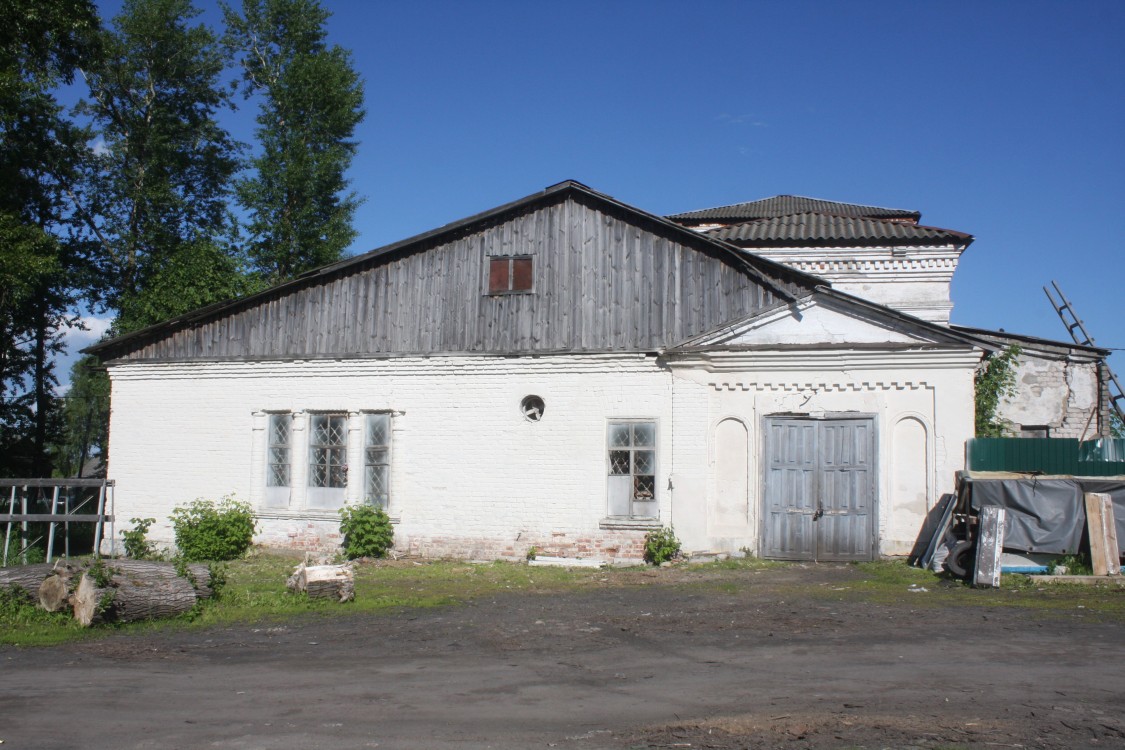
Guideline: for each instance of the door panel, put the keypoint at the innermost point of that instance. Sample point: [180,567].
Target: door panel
[819,489]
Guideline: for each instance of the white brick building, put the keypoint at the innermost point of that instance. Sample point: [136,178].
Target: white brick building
[564,372]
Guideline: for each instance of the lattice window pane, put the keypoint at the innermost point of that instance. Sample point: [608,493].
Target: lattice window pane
[318,431]
[644,435]
[378,487]
[279,429]
[277,462]
[644,462]
[377,459]
[619,436]
[378,429]
[278,475]
[337,476]
[644,488]
[318,475]
[619,462]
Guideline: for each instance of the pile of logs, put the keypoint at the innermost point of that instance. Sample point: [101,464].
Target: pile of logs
[323,581]
[112,590]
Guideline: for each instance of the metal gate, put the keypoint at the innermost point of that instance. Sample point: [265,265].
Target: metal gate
[819,493]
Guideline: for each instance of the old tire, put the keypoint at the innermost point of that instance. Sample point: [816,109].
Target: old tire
[960,560]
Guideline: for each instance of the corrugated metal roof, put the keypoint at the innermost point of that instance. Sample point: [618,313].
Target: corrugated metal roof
[822,229]
[782,205]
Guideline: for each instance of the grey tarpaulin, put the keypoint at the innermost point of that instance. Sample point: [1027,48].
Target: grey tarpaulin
[1046,515]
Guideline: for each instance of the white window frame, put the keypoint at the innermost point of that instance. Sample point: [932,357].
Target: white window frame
[332,494]
[628,496]
[278,495]
[371,451]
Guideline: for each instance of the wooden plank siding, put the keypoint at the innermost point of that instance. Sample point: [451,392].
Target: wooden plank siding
[605,278]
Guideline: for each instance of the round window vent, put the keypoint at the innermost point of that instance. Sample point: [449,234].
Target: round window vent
[532,408]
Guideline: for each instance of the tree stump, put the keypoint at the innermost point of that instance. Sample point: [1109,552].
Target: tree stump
[323,582]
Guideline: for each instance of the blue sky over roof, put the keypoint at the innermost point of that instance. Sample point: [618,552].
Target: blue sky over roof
[1003,120]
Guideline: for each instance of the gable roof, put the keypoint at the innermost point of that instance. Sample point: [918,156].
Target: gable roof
[1035,343]
[783,205]
[209,331]
[828,230]
[910,328]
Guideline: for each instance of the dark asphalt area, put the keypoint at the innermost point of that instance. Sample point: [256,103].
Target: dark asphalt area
[768,661]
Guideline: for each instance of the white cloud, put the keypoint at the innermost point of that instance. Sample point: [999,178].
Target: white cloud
[76,338]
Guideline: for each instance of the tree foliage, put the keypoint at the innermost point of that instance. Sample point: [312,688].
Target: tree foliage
[311,101]
[85,421]
[131,211]
[162,174]
[41,257]
[995,379]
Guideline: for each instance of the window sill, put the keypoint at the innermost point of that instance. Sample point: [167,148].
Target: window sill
[639,524]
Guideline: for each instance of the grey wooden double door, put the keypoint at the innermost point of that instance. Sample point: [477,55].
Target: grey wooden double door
[819,498]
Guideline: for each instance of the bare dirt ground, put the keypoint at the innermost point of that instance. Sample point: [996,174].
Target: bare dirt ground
[752,659]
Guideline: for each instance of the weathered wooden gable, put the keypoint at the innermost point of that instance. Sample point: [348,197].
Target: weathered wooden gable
[605,278]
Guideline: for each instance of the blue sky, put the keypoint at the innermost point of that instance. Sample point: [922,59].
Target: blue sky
[1005,120]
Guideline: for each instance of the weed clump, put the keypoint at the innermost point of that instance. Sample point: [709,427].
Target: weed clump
[209,530]
[367,531]
[661,546]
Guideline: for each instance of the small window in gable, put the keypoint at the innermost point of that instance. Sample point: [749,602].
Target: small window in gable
[509,274]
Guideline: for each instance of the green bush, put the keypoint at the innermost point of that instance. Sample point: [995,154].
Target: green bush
[661,545]
[206,530]
[367,531]
[137,545]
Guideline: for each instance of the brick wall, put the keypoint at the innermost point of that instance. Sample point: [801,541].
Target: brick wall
[470,476]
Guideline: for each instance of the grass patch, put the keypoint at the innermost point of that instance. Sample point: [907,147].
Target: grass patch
[255,592]
[894,583]
[25,624]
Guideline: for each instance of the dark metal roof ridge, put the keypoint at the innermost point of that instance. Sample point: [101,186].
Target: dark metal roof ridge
[903,212]
[966,238]
[1032,339]
[565,186]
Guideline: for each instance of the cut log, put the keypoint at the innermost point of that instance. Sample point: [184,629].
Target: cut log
[323,582]
[25,579]
[54,593]
[139,590]
[149,598]
[88,601]
[199,575]
[130,597]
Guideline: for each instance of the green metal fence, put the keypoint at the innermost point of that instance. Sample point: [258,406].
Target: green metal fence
[1092,458]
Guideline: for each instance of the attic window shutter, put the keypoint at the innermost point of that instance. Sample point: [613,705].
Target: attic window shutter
[498,276]
[521,274]
[510,274]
